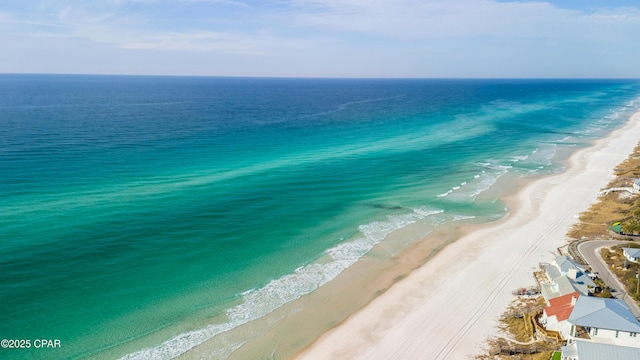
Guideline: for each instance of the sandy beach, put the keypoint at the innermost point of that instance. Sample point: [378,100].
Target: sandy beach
[447,308]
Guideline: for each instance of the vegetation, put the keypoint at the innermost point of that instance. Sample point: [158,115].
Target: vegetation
[632,225]
[614,207]
[625,270]
[517,333]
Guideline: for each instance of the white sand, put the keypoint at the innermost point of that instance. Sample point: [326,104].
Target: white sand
[447,308]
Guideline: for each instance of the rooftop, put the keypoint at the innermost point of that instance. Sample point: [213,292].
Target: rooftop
[565,263]
[587,350]
[563,285]
[632,252]
[561,306]
[552,271]
[567,276]
[610,314]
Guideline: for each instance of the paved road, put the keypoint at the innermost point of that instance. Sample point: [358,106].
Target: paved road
[590,252]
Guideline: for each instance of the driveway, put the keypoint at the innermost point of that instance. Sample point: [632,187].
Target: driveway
[590,252]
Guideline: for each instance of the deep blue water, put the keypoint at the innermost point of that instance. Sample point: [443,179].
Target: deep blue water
[136,209]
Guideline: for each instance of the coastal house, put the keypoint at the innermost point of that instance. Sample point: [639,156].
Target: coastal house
[636,186]
[634,189]
[565,277]
[558,286]
[565,264]
[588,350]
[632,254]
[606,321]
[556,315]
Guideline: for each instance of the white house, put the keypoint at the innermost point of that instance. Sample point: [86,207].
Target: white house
[565,264]
[588,350]
[632,254]
[636,186]
[565,277]
[606,321]
[556,315]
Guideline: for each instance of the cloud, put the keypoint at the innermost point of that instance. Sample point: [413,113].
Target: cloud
[115,23]
[423,37]
[129,2]
[198,41]
[403,20]
[222,2]
[412,19]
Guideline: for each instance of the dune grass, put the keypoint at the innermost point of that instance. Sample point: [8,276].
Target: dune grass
[613,207]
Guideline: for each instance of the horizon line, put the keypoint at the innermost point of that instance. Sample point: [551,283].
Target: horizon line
[326,77]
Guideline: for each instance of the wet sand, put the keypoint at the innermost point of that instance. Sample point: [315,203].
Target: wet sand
[449,306]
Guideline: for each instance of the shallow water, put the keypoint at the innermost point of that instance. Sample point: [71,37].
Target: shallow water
[141,216]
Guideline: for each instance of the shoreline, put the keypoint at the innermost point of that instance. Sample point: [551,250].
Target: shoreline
[294,327]
[449,306]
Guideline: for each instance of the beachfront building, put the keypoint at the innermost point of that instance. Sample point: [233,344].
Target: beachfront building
[636,186]
[588,350]
[631,254]
[565,277]
[558,286]
[605,321]
[565,265]
[633,190]
[555,316]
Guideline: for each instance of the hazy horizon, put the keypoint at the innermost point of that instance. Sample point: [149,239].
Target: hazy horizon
[322,38]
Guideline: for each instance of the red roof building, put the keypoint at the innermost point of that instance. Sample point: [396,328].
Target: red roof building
[561,306]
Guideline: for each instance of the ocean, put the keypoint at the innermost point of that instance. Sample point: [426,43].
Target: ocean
[141,216]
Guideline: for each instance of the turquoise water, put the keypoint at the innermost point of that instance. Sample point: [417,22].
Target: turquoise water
[141,216]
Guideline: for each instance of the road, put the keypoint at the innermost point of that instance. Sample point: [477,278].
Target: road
[590,252]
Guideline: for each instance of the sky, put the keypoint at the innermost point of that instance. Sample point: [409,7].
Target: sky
[323,38]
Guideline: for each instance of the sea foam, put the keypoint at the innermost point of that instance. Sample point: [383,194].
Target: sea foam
[259,302]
